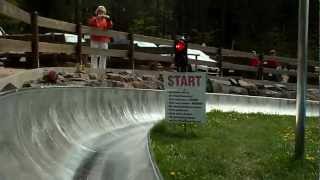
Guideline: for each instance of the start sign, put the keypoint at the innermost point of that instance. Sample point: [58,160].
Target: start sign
[185,96]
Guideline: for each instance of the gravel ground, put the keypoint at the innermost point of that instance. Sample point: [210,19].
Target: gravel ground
[5,72]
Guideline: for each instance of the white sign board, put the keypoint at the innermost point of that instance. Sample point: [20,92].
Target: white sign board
[185,96]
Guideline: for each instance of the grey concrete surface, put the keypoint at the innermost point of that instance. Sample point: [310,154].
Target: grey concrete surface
[77,133]
[255,104]
[95,133]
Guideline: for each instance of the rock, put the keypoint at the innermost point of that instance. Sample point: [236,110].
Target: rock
[239,90]
[26,85]
[159,66]
[51,77]
[61,78]
[62,73]
[246,84]
[124,73]
[218,81]
[151,85]
[94,83]
[270,93]
[216,87]
[292,94]
[69,75]
[281,86]
[285,78]
[77,79]
[234,82]
[128,79]
[9,87]
[93,76]
[273,88]
[138,84]
[76,75]
[118,84]
[313,94]
[148,78]
[84,76]
[115,77]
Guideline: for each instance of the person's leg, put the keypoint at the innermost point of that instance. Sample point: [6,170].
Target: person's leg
[94,58]
[103,59]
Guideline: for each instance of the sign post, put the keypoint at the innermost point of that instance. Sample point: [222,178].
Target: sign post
[185,97]
[302,77]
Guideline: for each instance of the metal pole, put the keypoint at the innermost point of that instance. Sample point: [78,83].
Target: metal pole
[35,40]
[302,77]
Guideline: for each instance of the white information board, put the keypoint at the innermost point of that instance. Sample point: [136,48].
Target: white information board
[185,96]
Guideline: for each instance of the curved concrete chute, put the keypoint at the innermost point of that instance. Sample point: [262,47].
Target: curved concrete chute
[77,133]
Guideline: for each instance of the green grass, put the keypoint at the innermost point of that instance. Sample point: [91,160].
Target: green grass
[236,147]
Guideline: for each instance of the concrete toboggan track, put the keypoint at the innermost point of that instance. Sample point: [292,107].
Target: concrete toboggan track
[95,133]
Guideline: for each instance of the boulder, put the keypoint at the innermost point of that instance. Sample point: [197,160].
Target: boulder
[148,78]
[246,84]
[270,93]
[138,84]
[68,75]
[9,87]
[115,77]
[93,76]
[50,77]
[238,90]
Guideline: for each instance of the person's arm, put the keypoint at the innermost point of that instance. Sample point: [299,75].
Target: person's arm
[109,22]
[91,21]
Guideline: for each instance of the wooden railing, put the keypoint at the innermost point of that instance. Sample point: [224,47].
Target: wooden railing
[150,54]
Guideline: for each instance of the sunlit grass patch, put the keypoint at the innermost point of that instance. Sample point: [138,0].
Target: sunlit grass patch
[235,146]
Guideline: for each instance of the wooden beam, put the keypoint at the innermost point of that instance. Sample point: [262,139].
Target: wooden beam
[57,25]
[152,57]
[155,40]
[211,50]
[95,31]
[103,52]
[156,50]
[57,48]
[14,46]
[14,12]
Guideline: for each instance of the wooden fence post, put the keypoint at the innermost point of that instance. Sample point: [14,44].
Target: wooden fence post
[79,33]
[79,44]
[220,59]
[260,68]
[35,63]
[131,51]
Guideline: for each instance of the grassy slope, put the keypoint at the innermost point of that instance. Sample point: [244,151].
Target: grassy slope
[235,146]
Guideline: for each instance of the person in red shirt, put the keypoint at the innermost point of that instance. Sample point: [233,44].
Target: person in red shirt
[101,21]
[255,61]
[272,61]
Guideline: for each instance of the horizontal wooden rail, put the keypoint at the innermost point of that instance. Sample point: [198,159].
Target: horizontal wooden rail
[265,70]
[56,24]
[95,31]
[286,60]
[226,65]
[156,50]
[56,48]
[160,41]
[14,12]
[212,50]
[103,52]
[152,57]
[17,46]
[14,46]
